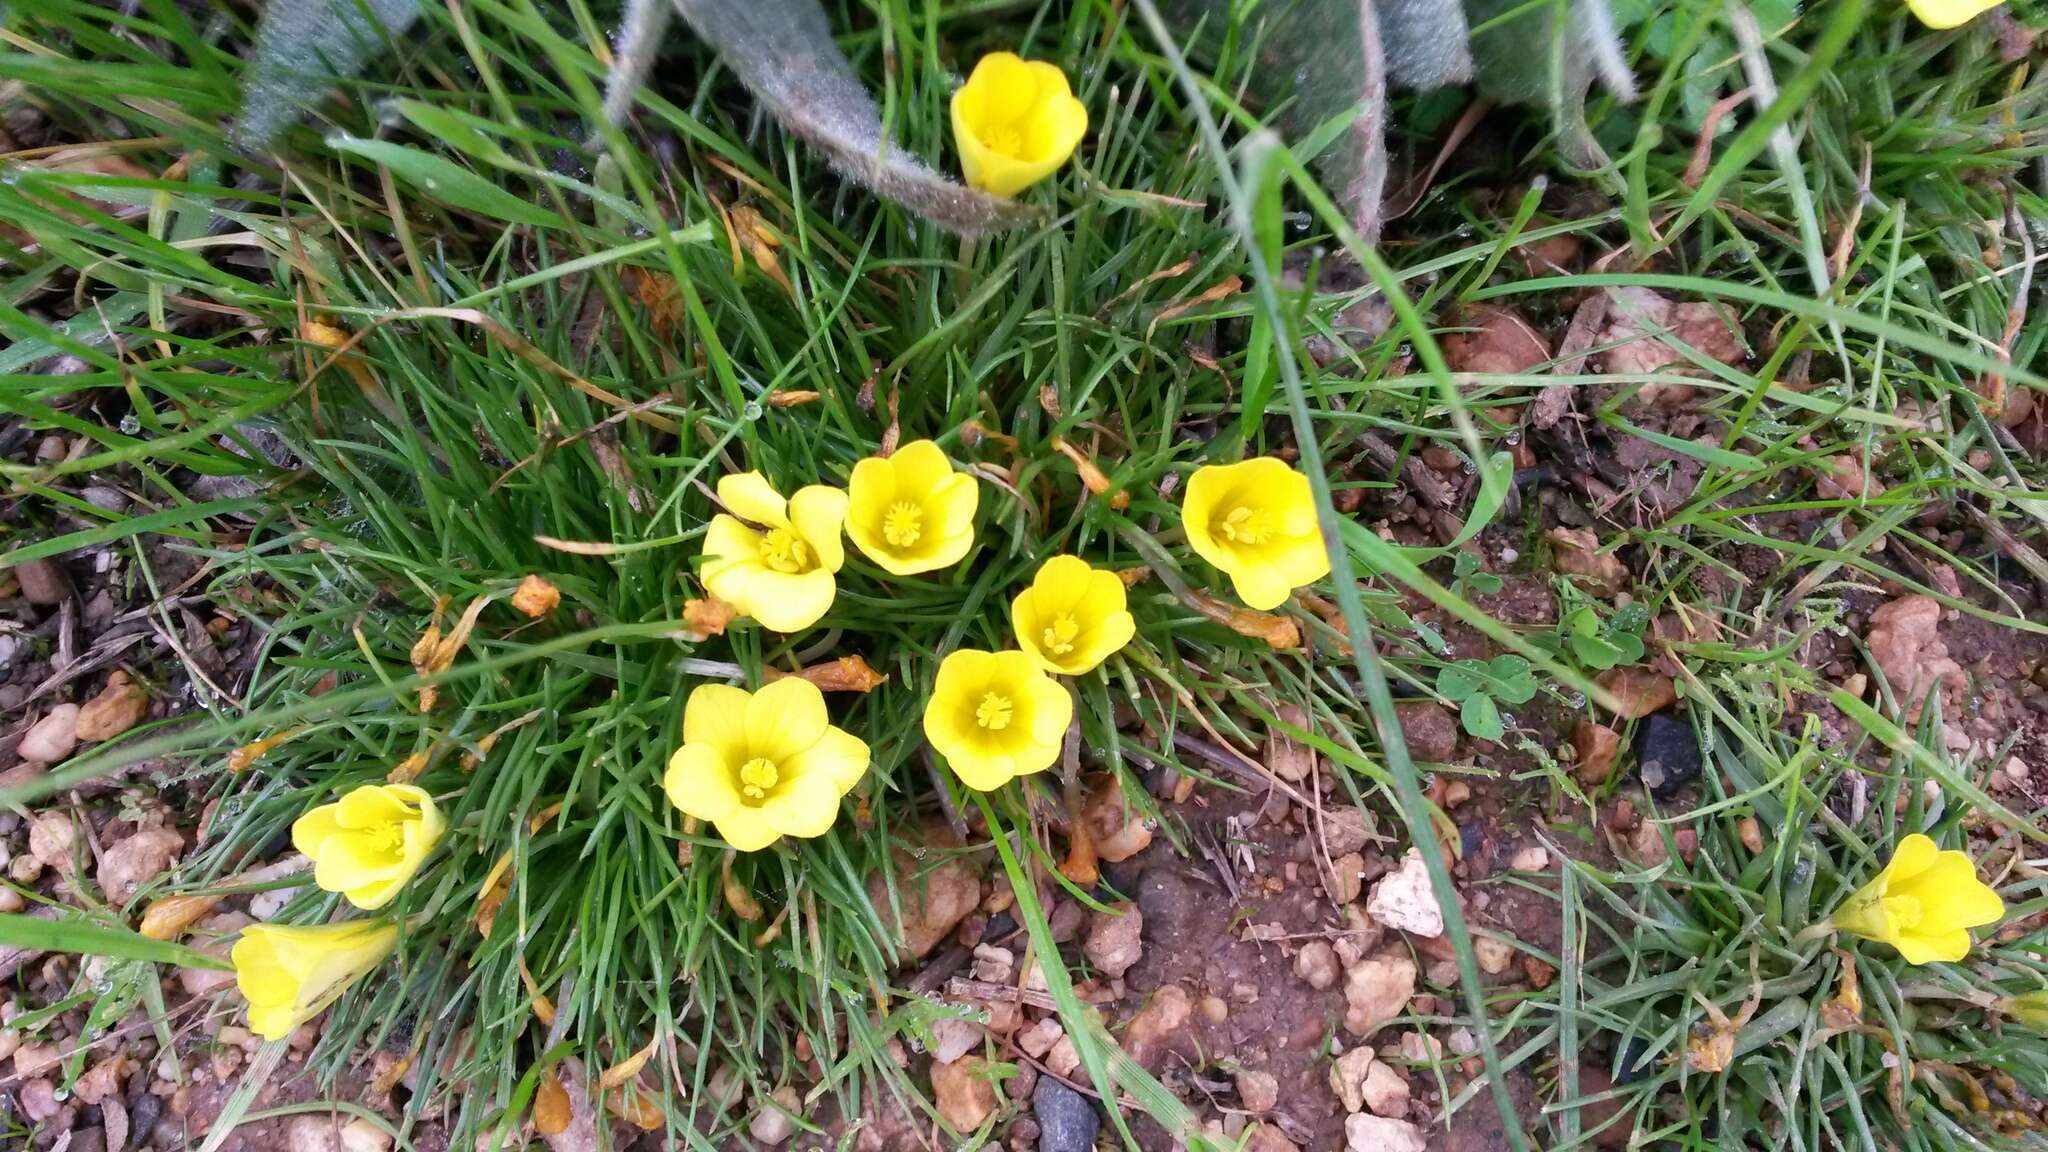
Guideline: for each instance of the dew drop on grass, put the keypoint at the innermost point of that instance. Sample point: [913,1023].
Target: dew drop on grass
[752,411]
[1511,439]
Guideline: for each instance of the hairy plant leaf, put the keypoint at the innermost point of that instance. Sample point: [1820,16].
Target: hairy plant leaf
[1548,53]
[784,52]
[304,47]
[1322,64]
[1424,42]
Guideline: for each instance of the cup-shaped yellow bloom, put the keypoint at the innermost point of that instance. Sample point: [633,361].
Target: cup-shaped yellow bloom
[763,765]
[996,716]
[1950,13]
[367,844]
[779,570]
[1015,122]
[911,512]
[290,975]
[1924,903]
[1072,617]
[1256,520]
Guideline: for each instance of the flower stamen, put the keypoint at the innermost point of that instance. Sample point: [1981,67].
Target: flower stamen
[1245,525]
[994,711]
[1059,638]
[784,551]
[757,776]
[903,524]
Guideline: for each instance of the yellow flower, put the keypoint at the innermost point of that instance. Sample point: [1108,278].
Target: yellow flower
[1950,13]
[781,572]
[1256,520]
[290,975]
[911,512]
[995,716]
[1015,122]
[1072,617]
[370,842]
[1924,903]
[763,765]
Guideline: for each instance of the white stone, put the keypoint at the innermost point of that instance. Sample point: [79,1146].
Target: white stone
[1364,1133]
[1404,900]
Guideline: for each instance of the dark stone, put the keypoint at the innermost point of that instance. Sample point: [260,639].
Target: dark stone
[1667,754]
[1168,907]
[1636,1062]
[1066,1119]
[142,1117]
[998,928]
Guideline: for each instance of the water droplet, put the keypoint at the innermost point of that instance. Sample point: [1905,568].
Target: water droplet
[752,411]
[1512,439]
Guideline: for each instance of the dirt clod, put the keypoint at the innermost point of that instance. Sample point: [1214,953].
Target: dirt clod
[1377,990]
[137,860]
[1317,964]
[1364,1133]
[1429,730]
[1905,644]
[43,581]
[1638,692]
[1258,1092]
[933,900]
[1576,552]
[1160,1027]
[1115,939]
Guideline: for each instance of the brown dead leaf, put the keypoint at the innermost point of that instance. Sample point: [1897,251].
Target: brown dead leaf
[657,292]
[535,596]
[1638,321]
[1843,1012]
[498,881]
[1576,552]
[1132,577]
[409,769]
[628,1068]
[1497,341]
[737,897]
[543,1008]
[167,919]
[1279,632]
[434,653]
[706,618]
[120,706]
[1229,286]
[1638,691]
[794,397]
[350,362]
[241,758]
[761,241]
[636,1106]
[1098,483]
[1598,747]
[845,674]
[551,1111]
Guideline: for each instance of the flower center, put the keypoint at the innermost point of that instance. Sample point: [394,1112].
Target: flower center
[757,776]
[1245,525]
[1059,637]
[1903,912]
[994,712]
[903,524]
[784,551]
[389,837]
[1006,140]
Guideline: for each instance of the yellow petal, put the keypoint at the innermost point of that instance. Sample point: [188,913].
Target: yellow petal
[818,514]
[699,783]
[372,805]
[314,828]
[839,756]
[919,467]
[1915,854]
[1051,711]
[1949,13]
[781,601]
[729,545]
[803,807]
[1947,947]
[785,718]
[716,715]
[746,830]
[749,496]
[1258,584]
